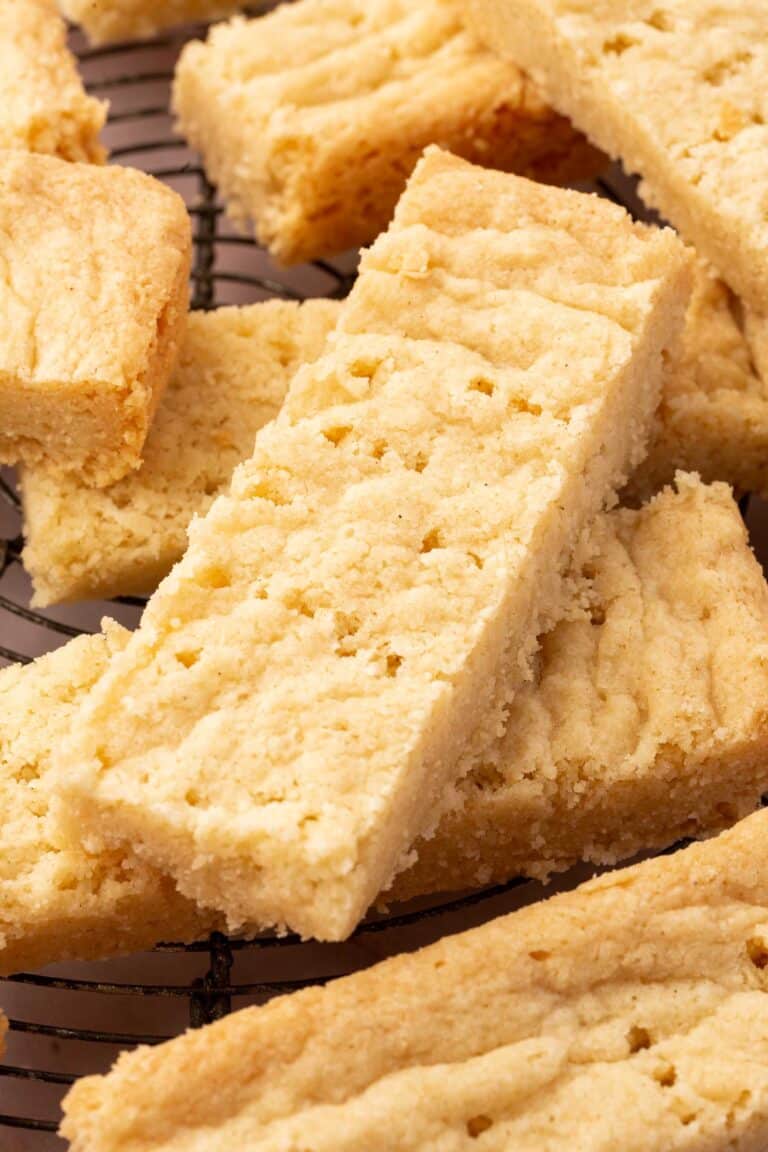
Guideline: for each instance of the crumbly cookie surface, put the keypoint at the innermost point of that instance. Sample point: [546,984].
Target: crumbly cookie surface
[91,314]
[371,589]
[630,1013]
[713,416]
[311,118]
[43,105]
[104,21]
[233,372]
[646,722]
[677,90]
[58,900]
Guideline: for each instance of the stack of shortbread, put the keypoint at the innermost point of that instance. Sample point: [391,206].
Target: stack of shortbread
[400,639]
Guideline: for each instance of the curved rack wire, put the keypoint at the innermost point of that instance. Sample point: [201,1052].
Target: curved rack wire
[197,983]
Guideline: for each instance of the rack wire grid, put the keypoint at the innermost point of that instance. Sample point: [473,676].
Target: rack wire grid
[73,1019]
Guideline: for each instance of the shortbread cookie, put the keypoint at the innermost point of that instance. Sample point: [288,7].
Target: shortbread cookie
[93,294]
[370,591]
[232,375]
[648,720]
[58,899]
[311,118]
[631,1013]
[678,90]
[106,20]
[713,417]
[43,105]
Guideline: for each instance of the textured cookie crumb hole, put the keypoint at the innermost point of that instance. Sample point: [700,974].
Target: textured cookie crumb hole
[192,797]
[727,812]
[299,603]
[539,954]
[265,490]
[476,1125]
[379,448]
[757,950]
[597,614]
[420,462]
[393,663]
[188,659]
[336,435]
[661,20]
[26,773]
[666,1075]
[346,625]
[476,560]
[431,541]
[718,73]
[214,576]
[618,45]
[364,369]
[638,1038]
[481,384]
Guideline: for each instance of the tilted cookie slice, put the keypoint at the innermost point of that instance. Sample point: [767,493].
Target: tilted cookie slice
[232,376]
[311,118]
[93,298]
[58,900]
[678,90]
[107,20]
[648,718]
[349,623]
[631,1013]
[43,105]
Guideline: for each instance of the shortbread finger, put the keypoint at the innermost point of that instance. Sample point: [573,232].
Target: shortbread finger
[647,721]
[311,118]
[58,899]
[678,91]
[108,20]
[350,622]
[43,105]
[233,372]
[631,1013]
[93,301]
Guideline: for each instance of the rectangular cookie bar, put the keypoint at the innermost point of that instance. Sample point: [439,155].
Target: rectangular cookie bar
[713,417]
[93,298]
[630,1013]
[677,90]
[370,591]
[107,20]
[647,719]
[231,378]
[311,118]
[43,105]
[58,899]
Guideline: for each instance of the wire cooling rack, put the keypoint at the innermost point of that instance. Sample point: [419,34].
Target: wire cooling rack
[74,1019]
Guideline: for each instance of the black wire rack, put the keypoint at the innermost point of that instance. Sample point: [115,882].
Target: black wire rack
[63,1020]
